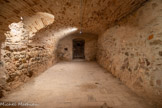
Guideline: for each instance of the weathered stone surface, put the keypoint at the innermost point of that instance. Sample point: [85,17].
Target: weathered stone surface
[21,58]
[160,53]
[158,82]
[129,54]
[2,78]
[156,42]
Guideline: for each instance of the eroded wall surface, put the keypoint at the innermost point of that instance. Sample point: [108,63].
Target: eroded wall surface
[65,47]
[24,55]
[132,51]
[27,52]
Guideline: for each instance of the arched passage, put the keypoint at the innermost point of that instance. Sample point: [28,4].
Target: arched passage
[128,46]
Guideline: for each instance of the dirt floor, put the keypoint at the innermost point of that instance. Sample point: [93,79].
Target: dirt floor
[76,84]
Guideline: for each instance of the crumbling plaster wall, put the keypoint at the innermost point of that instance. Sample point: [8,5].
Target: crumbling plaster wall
[132,51]
[67,42]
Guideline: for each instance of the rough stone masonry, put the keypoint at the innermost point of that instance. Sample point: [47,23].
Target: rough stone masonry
[131,51]
[129,43]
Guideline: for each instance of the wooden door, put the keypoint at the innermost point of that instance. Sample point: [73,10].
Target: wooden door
[78,49]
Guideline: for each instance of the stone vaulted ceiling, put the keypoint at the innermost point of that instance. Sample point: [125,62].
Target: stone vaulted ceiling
[96,15]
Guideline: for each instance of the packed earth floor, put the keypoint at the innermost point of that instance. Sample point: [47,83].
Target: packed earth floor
[76,84]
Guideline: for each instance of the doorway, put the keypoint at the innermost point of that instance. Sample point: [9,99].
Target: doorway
[78,49]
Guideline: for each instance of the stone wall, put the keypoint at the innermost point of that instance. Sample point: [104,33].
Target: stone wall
[2,78]
[23,57]
[67,43]
[132,51]
[26,53]
[2,71]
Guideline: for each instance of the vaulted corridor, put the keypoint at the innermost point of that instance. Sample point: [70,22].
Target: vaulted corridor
[81,53]
[76,84]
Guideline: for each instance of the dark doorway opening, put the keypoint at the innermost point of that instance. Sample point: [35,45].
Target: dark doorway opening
[78,49]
